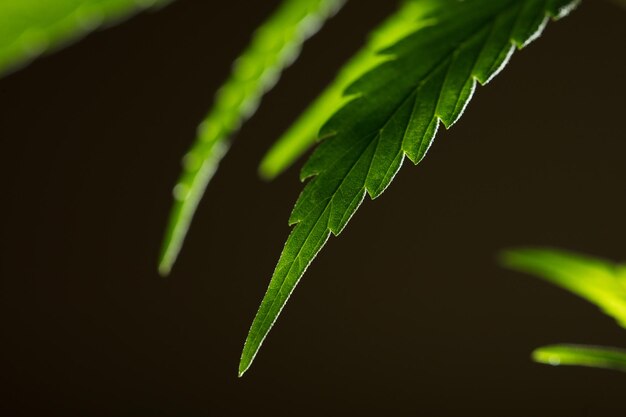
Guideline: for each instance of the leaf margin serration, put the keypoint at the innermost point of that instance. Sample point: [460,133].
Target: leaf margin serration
[523,32]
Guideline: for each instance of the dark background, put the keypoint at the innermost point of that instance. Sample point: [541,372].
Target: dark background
[407,313]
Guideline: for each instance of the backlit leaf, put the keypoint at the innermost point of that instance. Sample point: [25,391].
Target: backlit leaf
[577,355]
[393,111]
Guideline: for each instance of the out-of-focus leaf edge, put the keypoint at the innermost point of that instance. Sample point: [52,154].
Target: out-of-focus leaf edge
[580,355]
[86,18]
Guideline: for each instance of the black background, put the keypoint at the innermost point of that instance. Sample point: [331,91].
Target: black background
[407,313]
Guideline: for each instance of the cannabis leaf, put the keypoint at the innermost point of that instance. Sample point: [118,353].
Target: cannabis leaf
[275,45]
[31,27]
[394,110]
[598,281]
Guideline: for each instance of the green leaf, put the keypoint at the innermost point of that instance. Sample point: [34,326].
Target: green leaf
[594,356]
[302,134]
[600,282]
[394,110]
[31,27]
[274,46]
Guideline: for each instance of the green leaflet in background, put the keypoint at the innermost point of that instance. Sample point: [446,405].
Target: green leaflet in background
[31,27]
[576,355]
[598,281]
[274,46]
[394,110]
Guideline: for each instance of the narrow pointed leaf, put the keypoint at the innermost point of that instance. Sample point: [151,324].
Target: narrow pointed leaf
[394,111]
[598,281]
[577,355]
[31,27]
[274,46]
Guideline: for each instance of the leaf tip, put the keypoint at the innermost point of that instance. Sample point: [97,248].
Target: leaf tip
[545,356]
[164,268]
[266,172]
[505,257]
[516,258]
[245,361]
[167,258]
